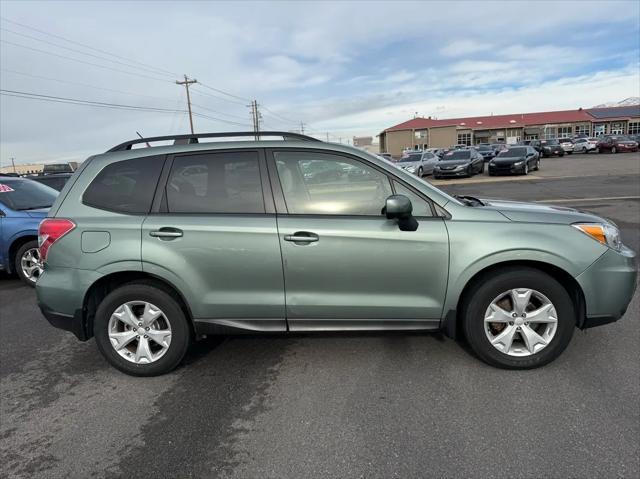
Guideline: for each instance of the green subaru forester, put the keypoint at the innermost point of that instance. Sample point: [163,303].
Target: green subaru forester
[148,249]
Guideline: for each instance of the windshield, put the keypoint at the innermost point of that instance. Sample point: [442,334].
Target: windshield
[19,194]
[411,157]
[457,155]
[485,148]
[513,152]
[549,142]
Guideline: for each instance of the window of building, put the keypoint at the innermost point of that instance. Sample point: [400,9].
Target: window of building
[565,131]
[617,128]
[215,183]
[550,134]
[583,130]
[125,186]
[464,139]
[599,129]
[633,128]
[531,137]
[327,184]
[420,206]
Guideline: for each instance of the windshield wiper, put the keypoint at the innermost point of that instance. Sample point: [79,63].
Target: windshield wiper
[470,200]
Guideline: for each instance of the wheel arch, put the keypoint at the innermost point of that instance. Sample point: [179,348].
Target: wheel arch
[451,324]
[16,244]
[108,283]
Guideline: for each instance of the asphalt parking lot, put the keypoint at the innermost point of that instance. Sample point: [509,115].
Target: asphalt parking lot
[337,405]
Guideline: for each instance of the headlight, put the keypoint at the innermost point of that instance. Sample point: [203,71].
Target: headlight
[459,168]
[604,233]
[410,168]
[518,163]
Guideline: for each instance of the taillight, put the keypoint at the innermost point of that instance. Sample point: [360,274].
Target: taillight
[50,231]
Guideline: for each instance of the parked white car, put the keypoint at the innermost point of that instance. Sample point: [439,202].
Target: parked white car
[585,145]
[567,145]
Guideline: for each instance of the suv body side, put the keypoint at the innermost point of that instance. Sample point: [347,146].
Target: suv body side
[329,284]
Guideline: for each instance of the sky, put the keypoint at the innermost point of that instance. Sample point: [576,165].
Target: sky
[344,69]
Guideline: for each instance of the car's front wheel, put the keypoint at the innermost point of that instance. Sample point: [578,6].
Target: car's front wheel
[614,150]
[420,172]
[519,318]
[141,330]
[28,264]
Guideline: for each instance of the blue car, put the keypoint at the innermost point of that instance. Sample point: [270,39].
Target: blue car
[23,204]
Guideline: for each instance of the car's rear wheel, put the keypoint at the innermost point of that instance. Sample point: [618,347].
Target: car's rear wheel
[28,264]
[519,318]
[141,330]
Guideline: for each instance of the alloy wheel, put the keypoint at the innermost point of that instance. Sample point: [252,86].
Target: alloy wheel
[520,322]
[31,264]
[139,332]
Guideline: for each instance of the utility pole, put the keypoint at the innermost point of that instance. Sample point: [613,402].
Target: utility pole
[186,84]
[302,128]
[327,137]
[255,119]
[14,164]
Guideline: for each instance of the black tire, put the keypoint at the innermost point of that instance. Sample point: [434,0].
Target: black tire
[525,170]
[420,172]
[537,167]
[491,173]
[29,245]
[484,292]
[180,331]
[561,155]
[614,150]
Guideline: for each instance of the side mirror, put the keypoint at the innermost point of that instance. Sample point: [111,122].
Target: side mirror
[399,207]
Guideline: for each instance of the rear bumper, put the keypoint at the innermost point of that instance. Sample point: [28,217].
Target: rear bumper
[73,322]
[608,286]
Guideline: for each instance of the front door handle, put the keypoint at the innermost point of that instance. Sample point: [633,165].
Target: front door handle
[166,233]
[302,237]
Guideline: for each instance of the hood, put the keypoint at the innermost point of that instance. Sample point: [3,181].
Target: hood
[404,164]
[541,213]
[453,162]
[508,159]
[39,213]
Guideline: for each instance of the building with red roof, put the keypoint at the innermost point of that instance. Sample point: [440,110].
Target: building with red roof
[419,133]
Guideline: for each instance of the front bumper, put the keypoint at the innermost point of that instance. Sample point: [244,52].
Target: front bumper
[608,286]
[449,173]
[506,170]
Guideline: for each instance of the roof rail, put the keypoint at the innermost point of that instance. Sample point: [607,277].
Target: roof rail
[193,138]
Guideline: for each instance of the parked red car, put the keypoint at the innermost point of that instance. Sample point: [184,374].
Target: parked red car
[616,144]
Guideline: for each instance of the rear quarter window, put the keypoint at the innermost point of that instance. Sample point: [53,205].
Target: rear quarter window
[126,186]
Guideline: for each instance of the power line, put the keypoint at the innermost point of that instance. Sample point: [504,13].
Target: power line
[224,92]
[80,51]
[80,84]
[200,92]
[98,104]
[88,47]
[297,122]
[83,61]
[219,112]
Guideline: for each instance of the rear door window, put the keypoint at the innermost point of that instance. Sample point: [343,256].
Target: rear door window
[224,182]
[126,186]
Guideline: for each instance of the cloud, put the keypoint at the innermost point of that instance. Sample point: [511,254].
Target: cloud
[464,47]
[338,66]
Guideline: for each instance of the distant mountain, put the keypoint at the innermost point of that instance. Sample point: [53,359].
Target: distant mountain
[633,100]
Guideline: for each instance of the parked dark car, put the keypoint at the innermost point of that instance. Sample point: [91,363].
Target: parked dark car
[53,168]
[550,148]
[55,181]
[387,156]
[616,144]
[487,152]
[515,160]
[458,163]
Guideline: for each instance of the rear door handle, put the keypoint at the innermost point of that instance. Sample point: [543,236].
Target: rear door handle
[167,233]
[302,237]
